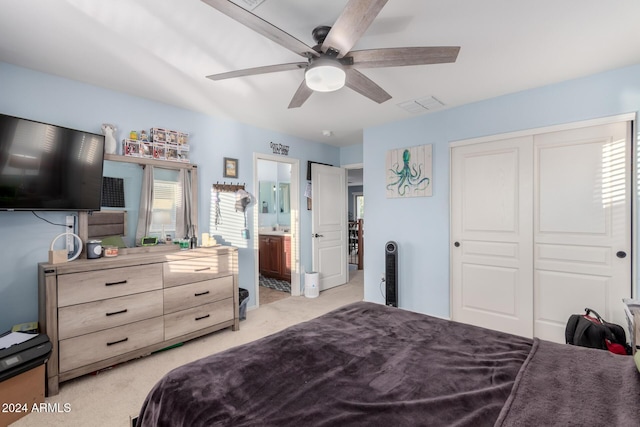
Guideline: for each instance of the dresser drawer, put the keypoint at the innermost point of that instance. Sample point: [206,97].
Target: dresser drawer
[77,288]
[200,317]
[199,293]
[95,316]
[87,349]
[195,269]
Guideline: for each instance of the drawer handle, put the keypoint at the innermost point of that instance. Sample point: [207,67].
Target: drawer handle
[122,282]
[117,312]
[202,317]
[200,293]
[118,342]
[202,269]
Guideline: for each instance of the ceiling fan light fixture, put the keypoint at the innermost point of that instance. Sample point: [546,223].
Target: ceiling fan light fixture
[325,75]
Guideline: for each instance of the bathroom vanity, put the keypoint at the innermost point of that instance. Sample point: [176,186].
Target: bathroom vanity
[275,255]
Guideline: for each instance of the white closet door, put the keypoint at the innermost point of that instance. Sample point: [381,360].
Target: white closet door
[544,227]
[582,226]
[491,205]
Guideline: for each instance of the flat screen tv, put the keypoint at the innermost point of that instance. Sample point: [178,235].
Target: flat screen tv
[48,167]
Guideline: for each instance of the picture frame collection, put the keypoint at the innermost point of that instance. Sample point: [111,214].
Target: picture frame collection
[160,144]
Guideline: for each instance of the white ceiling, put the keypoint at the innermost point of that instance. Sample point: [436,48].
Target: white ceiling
[163,49]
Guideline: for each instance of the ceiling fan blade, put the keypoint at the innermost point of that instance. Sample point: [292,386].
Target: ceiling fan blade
[259,70]
[365,86]
[261,26]
[302,94]
[401,56]
[351,25]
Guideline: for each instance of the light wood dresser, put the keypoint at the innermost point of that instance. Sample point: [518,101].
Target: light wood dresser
[101,312]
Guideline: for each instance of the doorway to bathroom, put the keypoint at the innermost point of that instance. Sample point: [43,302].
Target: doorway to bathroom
[276,225]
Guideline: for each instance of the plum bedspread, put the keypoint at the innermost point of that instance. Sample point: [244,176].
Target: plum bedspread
[368,365]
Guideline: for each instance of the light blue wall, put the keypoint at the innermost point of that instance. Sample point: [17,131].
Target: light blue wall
[420,226]
[43,97]
[351,155]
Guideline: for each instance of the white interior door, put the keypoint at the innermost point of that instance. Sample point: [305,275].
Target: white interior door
[491,207]
[329,224]
[582,231]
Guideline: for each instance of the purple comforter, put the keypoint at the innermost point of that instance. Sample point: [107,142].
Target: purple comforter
[367,365]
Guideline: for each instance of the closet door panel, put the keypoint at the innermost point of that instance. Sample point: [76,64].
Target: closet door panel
[491,224]
[499,282]
[581,221]
[492,211]
[570,198]
[556,287]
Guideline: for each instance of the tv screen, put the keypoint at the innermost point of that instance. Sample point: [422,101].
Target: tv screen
[48,167]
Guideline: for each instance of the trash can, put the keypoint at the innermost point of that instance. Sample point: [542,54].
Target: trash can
[243,297]
[311,288]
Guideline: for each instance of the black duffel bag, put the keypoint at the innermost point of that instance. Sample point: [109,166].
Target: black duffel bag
[587,331]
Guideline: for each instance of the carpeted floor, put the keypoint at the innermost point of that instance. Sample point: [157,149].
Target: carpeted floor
[278,285]
[268,295]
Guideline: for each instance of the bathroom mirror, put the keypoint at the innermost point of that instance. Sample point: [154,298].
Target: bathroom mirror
[274,193]
[267,200]
[130,170]
[275,201]
[131,173]
[284,198]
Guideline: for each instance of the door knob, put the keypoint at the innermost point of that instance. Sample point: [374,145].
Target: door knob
[456,244]
[318,235]
[621,254]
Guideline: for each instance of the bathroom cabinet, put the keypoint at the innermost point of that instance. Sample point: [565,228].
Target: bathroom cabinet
[275,256]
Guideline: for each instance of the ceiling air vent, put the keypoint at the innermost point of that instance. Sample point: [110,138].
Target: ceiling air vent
[421,105]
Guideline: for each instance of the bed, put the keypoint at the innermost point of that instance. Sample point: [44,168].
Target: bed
[366,364]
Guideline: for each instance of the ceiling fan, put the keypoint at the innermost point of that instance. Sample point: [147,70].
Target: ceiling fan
[331,64]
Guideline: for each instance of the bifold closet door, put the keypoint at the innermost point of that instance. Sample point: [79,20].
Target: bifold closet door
[541,229]
[582,225]
[491,254]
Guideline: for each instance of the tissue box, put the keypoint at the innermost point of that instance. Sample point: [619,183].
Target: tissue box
[58,256]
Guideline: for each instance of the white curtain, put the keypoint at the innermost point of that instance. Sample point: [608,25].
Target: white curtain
[146,200]
[185,223]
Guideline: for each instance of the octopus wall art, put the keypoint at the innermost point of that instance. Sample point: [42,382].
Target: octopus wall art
[408,172]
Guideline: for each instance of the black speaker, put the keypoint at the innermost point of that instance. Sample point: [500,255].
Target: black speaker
[391,273]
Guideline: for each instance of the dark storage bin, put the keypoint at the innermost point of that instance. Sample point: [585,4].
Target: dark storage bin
[243,298]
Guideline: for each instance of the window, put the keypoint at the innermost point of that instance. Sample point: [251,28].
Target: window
[359,206]
[163,209]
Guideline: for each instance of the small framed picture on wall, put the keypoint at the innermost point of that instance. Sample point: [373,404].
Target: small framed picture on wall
[230,167]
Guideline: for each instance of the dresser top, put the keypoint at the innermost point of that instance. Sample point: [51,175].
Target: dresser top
[133,259]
